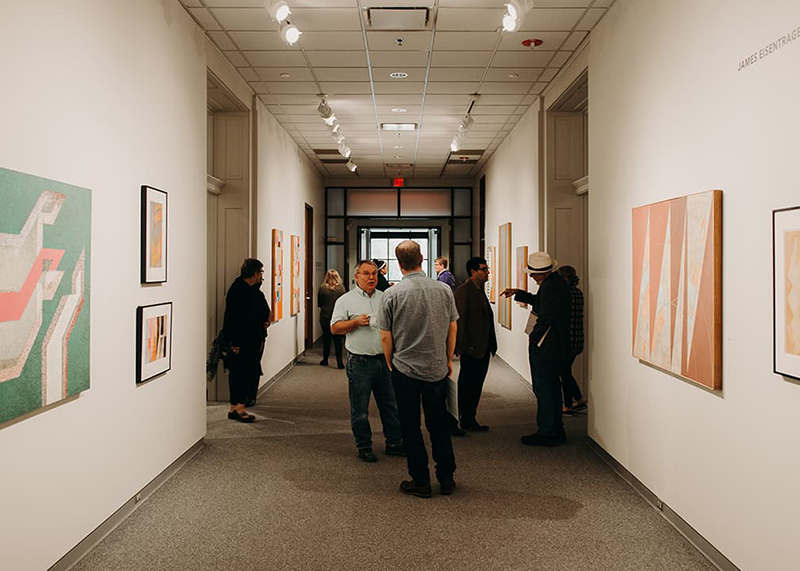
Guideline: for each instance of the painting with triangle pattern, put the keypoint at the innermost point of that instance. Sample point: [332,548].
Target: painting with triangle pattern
[677,286]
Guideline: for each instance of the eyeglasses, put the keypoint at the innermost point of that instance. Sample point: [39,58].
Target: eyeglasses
[484,269]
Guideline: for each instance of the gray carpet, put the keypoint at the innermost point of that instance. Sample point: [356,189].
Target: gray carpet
[287,492]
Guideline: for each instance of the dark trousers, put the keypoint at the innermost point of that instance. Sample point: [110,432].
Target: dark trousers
[433,397]
[547,388]
[326,342]
[572,393]
[470,385]
[243,385]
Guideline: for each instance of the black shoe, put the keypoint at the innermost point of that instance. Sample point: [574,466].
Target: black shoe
[456,431]
[579,407]
[413,489]
[367,455]
[340,365]
[396,450]
[567,411]
[474,426]
[447,487]
[324,362]
[537,439]
[233,415]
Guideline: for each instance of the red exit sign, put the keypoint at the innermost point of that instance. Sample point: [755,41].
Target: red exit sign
[398,182]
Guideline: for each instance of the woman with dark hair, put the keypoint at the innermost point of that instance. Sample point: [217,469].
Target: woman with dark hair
[572,393]
[330,290]
[383,283]
[245,326]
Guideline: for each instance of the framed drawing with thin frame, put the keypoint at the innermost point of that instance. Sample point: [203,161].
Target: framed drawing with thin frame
[154,235]
[786,291]
[153,340]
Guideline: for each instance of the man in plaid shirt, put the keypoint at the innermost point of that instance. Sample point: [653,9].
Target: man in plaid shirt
[572,393]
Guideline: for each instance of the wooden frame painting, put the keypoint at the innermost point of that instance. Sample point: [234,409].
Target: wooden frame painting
[677,286]
[504,274]
[277,274]
[786,291]
[153,341]
[45,292]
[295,301]
[522,274]
[491,283]
[154,235]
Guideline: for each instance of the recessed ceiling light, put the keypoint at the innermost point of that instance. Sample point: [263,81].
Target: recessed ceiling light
[399,147]
[398,75]
[398,126]
[285,75]
[513,75]
[398,156]
[398,110]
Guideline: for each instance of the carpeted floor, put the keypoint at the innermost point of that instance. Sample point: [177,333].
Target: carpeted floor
[287,493]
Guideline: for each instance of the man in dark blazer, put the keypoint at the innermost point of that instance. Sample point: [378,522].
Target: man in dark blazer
[475,341]
[548,345]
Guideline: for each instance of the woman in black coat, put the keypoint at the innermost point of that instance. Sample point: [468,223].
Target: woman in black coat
[245,326]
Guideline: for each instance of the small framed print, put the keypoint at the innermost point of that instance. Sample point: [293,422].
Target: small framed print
[786,290]
[154,235]
[153,340]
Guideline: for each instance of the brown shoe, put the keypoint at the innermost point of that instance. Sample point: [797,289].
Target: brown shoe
[413,489]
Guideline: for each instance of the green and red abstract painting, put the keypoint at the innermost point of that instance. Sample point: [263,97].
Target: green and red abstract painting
[45,255]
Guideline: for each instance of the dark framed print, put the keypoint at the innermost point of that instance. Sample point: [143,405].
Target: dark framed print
[153,340]
[786,290]
[154,235]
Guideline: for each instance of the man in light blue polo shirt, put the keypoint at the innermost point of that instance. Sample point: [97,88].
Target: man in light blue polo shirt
[355,315]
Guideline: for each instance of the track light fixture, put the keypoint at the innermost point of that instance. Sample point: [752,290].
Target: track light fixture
[351,166]
[344,150]
[290,33]
[515,11]
[324,109]
[455,145]
[466,124]
[330,120]
[278,10]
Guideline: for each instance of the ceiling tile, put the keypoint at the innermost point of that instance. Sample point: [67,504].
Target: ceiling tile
[345,87]
[563,3]
[457,41]
[248,73]
[236,59]
[521,59]
[551,40]
[452,87]
[274,59]
[342,73]
[414,73]
[317,40]
[591,18]
[560,59]
[337,58]
[274,74]
[458,110]
[523,74]
[469,19]
[323,19]
[310,109]
[191,3]
[511,99]
[492,110]
[234,3]
[244,18]
[528,100]
[204,19]
[222,41]
[411,110]
[296,99]
[574,40]
[538,87]
[267,99]
[412,41]
[505,87]
[460,59]
[548,74]
[456,74]
[603,3]
[447,99]
[551,19]
[260,41]
[386,87]
[398,59]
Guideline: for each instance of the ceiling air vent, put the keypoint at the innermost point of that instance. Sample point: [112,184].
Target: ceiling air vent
[397,18]
[399,165]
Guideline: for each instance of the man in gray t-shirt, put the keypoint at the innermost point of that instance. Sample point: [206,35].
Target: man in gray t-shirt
[417,319]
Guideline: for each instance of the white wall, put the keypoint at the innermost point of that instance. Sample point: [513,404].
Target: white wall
[670,114]
[108,96]
[286,182]
[512,195]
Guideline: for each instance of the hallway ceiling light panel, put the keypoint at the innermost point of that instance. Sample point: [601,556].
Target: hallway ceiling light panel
[397,18]
[278,10]
[398,126]
[290,33]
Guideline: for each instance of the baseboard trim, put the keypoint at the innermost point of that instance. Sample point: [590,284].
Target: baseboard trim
[277,376]
[711,553]
[90,541]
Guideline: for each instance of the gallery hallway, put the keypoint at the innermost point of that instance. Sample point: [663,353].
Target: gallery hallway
[288,493]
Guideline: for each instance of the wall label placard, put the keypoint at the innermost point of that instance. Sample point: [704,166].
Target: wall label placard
[770,48]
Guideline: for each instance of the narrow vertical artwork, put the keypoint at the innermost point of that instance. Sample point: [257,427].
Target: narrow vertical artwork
[154,235]
[786,288]
[45,278]
[522,275]
[277,274]
[504,274]
[295,305]
[491,284]
[677,286]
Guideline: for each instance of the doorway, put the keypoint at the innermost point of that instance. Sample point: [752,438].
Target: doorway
[380,243]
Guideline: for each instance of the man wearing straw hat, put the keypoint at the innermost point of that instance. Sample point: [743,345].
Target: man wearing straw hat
[548,345]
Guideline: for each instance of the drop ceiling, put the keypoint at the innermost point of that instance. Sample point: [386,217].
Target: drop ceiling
[456,58]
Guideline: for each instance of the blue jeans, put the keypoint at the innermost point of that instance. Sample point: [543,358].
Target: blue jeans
[365,375]
[547,388]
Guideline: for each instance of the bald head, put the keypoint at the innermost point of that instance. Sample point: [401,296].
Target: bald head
[408,255]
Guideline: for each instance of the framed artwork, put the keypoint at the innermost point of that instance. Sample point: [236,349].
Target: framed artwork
[45,283]
[153,340]
[786,290]
[295,301]
[277,274]
[504,274]
[491,284]
[154,235]
[677,286]
[521,274]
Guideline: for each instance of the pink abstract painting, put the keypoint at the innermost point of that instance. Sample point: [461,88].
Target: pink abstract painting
[677,286]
